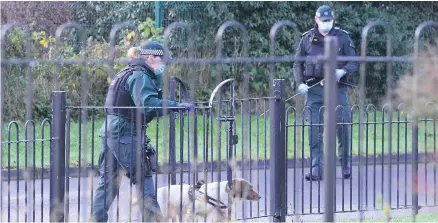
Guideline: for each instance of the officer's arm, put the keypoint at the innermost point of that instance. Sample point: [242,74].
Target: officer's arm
[349,48]
[298,66]
[144,94]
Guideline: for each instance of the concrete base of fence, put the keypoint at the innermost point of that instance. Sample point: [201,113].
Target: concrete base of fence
[40,173]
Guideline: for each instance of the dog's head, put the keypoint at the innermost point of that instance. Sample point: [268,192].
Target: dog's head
[242,189]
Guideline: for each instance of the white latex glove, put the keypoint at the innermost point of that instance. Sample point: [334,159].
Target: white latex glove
[303,88]
[339,74]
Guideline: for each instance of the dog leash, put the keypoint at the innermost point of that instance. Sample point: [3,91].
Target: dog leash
[201,196]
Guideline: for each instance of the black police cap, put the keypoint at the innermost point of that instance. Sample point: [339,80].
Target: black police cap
[152,48]
[324,13]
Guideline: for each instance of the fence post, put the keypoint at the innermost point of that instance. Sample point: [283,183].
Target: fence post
[415,167]
[330,102]
[278,152]
[158,14]
[172,142]
[57,157]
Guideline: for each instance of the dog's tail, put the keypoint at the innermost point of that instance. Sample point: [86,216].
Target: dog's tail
[199,184]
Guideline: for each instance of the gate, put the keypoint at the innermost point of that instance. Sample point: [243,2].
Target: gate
[232,135]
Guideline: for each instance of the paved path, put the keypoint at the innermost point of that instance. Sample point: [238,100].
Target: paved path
[303,196]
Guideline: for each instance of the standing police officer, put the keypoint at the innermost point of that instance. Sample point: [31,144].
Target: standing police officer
[309,73]
[137,85]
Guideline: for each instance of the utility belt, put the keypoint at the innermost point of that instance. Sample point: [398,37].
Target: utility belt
[147,159]
[149,156]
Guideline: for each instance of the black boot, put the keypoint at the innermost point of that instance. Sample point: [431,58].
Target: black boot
[346,171]
[314,176]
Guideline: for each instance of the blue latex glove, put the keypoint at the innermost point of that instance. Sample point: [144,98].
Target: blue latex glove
[303,88]
[187,106]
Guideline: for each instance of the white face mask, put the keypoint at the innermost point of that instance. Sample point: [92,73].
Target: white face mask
[325,26]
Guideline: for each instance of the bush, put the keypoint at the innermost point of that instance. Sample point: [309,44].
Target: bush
[74,79]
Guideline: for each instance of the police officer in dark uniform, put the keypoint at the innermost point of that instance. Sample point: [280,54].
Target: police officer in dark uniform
[309,73]
[137,85]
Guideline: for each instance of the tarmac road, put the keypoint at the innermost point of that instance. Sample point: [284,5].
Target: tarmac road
[308,199]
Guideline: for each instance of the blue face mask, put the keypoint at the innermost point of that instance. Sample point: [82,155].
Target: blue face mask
[159,73]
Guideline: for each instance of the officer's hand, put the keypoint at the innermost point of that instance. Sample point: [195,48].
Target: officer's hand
[339,74]
[187,106]
[303,88]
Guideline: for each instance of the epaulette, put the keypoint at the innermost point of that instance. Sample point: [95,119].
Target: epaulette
[339,29]
[305,33]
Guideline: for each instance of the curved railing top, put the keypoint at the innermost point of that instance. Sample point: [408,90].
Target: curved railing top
[79,27]
[191,38]
[218,87]
[117,27]
[5,30]
[183,86]
[221,31]
[418,31]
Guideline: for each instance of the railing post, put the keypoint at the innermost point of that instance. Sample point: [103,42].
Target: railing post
[172,142]
[415,167]
[57,157]
[330,102]
[158,14]
[278,152]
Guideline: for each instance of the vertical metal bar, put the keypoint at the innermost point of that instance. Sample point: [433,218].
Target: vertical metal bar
[172,142]
[425,162]
[42,161]
[181,156]
[34,174]
[277,161]
[250,153]
[398,158]
[359,178]
[415,168]
[79,162]
[158,14]
[17,150]
[311,125]
[67,166]
[265,160]
[92,159]
[258,153]
[330,102]
[242,165]
[9,172]
[382,182]
[2,92]
[57,157]
[302,156]
[366,158]
[351,164]
[26,170]
[9,168]
[374,157]
[295,167]
[435,157]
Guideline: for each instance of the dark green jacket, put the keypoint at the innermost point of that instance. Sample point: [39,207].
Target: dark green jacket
[117,126]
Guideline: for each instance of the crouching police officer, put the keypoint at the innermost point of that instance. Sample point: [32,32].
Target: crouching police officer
[309,73]
[137,85]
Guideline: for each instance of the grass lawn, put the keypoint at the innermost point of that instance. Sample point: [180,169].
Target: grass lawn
[425,217]
[253,139]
